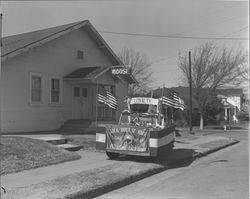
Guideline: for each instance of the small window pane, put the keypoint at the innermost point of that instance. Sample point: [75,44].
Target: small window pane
[55,90]
[84,92]
[36,96]
[79,54]
[36,89]
[36,82]
[76,91]
[55,84]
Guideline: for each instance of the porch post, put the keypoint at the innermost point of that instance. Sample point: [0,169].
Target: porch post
[225,113]
[96,109]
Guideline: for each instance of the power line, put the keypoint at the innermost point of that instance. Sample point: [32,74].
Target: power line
[172,37]
[232,33]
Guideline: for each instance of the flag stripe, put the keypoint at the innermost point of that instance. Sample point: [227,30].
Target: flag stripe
[174,106]
[169,101]
[108,99]
[173,101]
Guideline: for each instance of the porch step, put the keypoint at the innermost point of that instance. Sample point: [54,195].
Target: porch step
[86,131]
[70,147]
[53,140]
[79,126]
[60,142]
[79,121]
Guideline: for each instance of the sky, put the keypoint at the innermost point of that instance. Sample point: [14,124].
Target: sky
[175,18]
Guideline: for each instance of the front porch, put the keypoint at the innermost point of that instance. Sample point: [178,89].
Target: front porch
[86,84]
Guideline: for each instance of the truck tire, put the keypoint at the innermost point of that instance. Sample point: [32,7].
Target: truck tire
[112,155]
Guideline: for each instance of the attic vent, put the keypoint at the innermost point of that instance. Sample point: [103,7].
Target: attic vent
[80,54]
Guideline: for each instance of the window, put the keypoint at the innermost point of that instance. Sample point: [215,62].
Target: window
[76,92]
[84,92]
[55,90]
[36,88]
[80,54]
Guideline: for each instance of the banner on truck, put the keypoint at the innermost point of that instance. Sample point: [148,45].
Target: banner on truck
[127,138]
[144,100]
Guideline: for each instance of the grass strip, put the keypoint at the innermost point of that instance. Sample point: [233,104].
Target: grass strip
[85,184]
[20,153]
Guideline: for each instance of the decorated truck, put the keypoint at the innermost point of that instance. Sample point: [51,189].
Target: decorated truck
[141,130]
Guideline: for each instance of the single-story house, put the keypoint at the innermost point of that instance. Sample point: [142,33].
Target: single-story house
[53,75]
[232,100]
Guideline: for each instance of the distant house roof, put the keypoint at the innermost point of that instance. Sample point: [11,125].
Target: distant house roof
[16,44]
[227,104]
[231,91]
[184,91]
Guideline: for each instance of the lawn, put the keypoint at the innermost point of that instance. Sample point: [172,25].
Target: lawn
[19,153]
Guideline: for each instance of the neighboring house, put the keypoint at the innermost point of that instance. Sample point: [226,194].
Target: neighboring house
[53,75]
[232,102]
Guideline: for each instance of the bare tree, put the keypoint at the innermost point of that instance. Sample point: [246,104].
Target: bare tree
[213,68]
[140,68]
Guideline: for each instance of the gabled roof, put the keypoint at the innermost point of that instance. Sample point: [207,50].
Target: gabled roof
[87,73]
[16,44]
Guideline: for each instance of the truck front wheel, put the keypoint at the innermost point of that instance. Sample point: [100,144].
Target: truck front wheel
[112,155]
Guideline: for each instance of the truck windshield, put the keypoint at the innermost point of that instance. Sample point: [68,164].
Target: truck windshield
[143,108]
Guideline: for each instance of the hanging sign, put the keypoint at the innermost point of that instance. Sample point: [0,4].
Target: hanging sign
[120,70]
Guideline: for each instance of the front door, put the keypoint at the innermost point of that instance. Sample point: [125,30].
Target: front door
[80,106]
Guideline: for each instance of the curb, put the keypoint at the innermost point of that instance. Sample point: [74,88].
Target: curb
[201,154]
[115,185]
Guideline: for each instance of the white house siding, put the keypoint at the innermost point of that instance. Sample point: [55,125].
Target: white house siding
[55,58]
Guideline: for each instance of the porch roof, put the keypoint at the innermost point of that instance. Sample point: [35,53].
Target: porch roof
[226,104]
[87,72]
[91,73]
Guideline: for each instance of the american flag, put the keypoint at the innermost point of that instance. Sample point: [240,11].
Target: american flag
[173,100]
[108,98]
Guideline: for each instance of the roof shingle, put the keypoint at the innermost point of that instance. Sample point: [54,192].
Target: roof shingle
[15,42]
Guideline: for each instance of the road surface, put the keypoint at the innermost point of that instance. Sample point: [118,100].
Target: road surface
[221,175]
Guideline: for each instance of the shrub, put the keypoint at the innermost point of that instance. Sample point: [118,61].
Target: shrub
[243,116]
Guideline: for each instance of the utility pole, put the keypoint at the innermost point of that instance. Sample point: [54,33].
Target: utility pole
[190,94]
[1,15]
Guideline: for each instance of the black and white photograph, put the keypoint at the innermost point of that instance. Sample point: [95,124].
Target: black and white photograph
[124,99]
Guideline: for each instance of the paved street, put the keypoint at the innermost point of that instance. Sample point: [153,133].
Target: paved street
[223,174]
